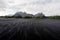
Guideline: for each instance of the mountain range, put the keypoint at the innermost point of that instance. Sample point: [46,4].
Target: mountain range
[26,14]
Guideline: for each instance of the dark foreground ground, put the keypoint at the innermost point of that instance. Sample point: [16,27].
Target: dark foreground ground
[29,29]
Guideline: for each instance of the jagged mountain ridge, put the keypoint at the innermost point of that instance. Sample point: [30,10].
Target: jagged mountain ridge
[26,14]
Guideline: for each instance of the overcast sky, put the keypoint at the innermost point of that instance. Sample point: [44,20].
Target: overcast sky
[48,7]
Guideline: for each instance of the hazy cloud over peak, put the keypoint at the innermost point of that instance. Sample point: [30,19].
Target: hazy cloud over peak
[48,7]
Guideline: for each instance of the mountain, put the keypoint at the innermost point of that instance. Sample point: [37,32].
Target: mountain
[23,14]
[39,14]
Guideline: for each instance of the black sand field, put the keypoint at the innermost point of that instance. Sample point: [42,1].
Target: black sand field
[29,29]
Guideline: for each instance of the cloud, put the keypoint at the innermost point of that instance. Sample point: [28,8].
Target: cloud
[48,7]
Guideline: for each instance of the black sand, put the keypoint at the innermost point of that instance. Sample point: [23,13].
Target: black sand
[29,29]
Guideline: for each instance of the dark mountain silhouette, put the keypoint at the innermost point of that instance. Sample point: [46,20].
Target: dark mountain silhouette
[22,14]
